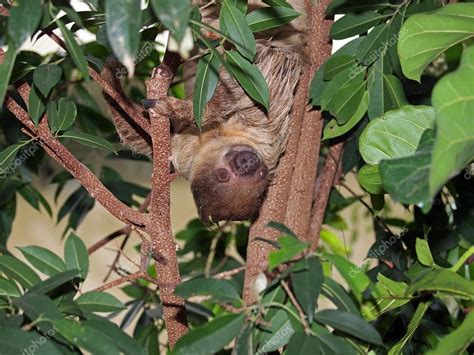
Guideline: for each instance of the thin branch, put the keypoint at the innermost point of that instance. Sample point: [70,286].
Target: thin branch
[293,300]
[229,273]
[132,277]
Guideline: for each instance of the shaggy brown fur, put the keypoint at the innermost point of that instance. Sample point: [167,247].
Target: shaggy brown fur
[232,159]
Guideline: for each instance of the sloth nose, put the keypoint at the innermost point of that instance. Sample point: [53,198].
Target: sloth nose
[246,162]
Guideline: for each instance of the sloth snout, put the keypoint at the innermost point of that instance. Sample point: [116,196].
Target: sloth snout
[246,162]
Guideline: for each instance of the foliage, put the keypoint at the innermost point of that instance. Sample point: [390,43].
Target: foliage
[400,94]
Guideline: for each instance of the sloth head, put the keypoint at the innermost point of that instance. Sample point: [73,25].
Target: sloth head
[229,182]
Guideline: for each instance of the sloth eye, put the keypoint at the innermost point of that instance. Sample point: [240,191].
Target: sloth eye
[222,175]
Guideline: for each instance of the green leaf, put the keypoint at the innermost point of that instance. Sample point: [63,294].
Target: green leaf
[354,24]
[62,115]
[355,276]
[337,63]
[53,282]
[349,76]
[89,140]
[219,290]
[174,15]
[394,88]
[334,242]
[7,156]
[300,343]
[76,256]
[38,306]
[289,248]
[207,77]
[239,30]
[412,326]
[379,99]
[45,77]
[6,69]
[278,333]
[86,337]
[18,271]
[427,35]
[372,45]
[249,76]
[423,252]
[244,342]
[281,228]
[24,18]
[8,289]
[369,178]
[453,100]
[74,50]
[350,324]
[95,301]
[346,103]
[270,17]
[43,259]
[396,134]
[16,340]
[123,21]
[36,105]
[407,179]
[333,130]
[210,337]
[307,280]
[458,340]
[444,281]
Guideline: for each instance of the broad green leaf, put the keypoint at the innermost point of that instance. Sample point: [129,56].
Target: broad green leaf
[334,242]
[281,228]
[423,252]
[18,271]
[95,301]
[412,326]
[369,178]
[123,20]
[330,343]
[7,156]
[35,198]
[458,340]
[407,179]
[278,333]
[337,63]
[453,100]
[333,130]
[445,282]
[289,248]
[307,280]
[210,337]
[355,276]
[349,76]
[379,99]
[62,116]
[45,77]
[239,30]
[270,17]
[24,18]
[173,14]
[36,104]
[114,334]
[39,306]
[394,88]
[300,343]
[43,260]
[354,24]
[240,5]
[274,3]
[15,341]
[396,134]
[347,6]
[6,68]
[350,324]
[74,50]
[53,282]
[76,256]
[220,290]
[244,342]
[8,289]
[427,35]
[373,45]
[86,337]
[89,140]
[207,77]
[346,103]
[249,76]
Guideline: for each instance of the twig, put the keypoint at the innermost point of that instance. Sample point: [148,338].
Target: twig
[132,277]
[229,273]
[293,300]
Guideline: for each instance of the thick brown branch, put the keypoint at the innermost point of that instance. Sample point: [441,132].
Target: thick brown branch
[331,168]
[163,244]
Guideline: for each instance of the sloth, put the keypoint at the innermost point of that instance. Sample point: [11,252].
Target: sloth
[231,160]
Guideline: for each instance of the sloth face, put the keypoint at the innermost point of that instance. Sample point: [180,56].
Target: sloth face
[230,185]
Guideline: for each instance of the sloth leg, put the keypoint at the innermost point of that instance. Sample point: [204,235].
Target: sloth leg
[171,107]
